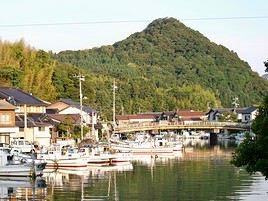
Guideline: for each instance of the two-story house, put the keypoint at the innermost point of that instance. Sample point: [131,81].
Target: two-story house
[215,114]
[7,121]
[28,111]
[66,106]
[249,114]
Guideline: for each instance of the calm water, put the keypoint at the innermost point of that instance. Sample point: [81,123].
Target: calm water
[202,173]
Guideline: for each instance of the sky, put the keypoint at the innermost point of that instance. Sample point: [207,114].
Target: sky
[104,22]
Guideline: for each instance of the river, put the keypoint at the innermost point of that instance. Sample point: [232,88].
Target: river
[203,172]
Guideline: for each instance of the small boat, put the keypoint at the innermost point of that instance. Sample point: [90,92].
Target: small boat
[97,157]
[65,159]
[146,148]
[12,168]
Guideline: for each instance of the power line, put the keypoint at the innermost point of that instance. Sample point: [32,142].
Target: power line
[128,21]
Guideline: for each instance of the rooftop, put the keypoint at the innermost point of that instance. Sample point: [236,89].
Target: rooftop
[70,102]
[4,105]
[18,97]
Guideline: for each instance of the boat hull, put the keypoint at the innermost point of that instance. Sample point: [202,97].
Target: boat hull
[68,163]
[23,170]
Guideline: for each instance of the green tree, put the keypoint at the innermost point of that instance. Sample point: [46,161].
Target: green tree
[66,126]
[228,116]
[253,153]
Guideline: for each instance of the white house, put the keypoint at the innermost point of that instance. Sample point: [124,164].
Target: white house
[249,114]
[68,106]
[214,114]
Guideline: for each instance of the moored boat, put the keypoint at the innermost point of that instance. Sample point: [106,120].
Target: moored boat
[56,158]
[11,168]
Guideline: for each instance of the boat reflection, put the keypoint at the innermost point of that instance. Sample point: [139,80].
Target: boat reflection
[23,189]
[95,183]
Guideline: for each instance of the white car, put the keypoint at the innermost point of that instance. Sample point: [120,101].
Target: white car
[23,145]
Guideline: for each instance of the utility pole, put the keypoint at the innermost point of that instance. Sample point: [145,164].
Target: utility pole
[114,88]
[81,78]
[25,121]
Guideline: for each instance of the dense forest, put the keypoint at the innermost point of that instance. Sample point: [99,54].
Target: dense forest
[165,67]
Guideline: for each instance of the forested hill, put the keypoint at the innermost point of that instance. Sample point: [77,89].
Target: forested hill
[166,67]
[166,58]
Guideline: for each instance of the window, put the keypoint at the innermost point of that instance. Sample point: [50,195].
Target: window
[5,118]
[41,128]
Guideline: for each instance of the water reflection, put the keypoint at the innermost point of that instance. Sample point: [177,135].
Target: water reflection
[22,189]
[202,172]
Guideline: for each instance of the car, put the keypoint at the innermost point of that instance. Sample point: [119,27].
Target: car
[23,145]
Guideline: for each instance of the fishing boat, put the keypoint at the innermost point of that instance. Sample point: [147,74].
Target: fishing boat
[146,148]
[12,168]
[97,157]
[69,158]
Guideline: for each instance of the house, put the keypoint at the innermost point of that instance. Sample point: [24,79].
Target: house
[23,100]
[36,131]
[189,116]
[68,106]
[7,121]
[249,114]
[56,119]
[214,114]
[28,113]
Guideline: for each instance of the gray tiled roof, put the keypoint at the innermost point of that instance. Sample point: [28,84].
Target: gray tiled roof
[221,110]
[70,102]
[249,110]
[32,121]
[19,97]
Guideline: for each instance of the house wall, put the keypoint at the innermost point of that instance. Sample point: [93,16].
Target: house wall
[31,109]
[7,118]
[86,116]
[7,125]
[249,117]
[42,136]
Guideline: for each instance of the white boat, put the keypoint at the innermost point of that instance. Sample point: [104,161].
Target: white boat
[69,159]
[100,159]
[11,168]
[146,148]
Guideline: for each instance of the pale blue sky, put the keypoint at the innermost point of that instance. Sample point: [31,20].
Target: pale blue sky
[247,37]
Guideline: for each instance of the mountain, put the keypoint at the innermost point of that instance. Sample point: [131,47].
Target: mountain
[168,66]
[165,67]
